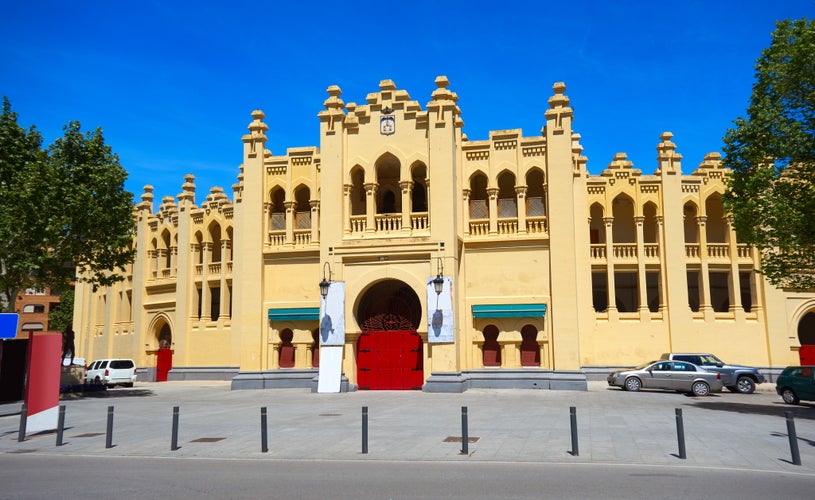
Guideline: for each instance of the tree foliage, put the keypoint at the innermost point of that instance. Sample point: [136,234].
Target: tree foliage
[63,316]
[771,152]
[64,213]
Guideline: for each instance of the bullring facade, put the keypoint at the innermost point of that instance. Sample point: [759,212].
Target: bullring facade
[552,275]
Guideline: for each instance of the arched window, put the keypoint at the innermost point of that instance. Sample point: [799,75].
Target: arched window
[530,351]
[479,204]
[387,177]
[277,212]
[165,239]
[302,215]
[358,191]
[691,225]
[623,229]
[597,228]
[507,199]
[419,194]
[649,229]
[716,228]
[286,349]
[491,350]
[535,194]
[215,237]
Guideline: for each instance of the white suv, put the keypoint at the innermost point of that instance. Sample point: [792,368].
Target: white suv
[111,372]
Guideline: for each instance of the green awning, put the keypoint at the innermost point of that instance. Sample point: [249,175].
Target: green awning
[509,311]
[294,313]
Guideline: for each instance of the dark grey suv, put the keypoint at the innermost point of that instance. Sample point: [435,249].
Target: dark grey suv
[736,378]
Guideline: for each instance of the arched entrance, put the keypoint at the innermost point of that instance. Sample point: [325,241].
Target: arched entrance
[806,336]
[389,350]
[164,356]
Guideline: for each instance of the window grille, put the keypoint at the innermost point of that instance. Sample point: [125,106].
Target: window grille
[479,209]
[302,220]
[507,207]
[535,207]
[278,221]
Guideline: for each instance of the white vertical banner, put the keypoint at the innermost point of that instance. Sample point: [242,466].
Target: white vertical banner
[332,338]
[440,327]
[332,315]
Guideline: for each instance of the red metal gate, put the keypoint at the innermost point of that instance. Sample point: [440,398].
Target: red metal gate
[390,360]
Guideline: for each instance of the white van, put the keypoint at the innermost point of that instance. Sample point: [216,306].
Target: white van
[111,372]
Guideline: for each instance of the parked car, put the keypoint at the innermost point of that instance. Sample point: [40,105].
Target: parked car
[668,375]
[111,372]
[796,383]
[736,378]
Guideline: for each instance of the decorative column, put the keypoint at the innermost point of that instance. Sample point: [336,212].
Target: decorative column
[407,205]
[466,212]
[641,281]
[173,261]
[370,207]
[226,246]
[492,193]
[663,292]
[733,288]
[611,286]
[520,196]
[206,302]
[289,205]
[704,274]
[315,221]
[348,189]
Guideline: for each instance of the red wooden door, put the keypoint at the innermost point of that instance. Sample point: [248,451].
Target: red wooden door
[390,360]
[164,363]
[807,355]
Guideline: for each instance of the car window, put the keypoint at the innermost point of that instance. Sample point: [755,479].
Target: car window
[684,367]
[804,372]
[687,358]
[102,364]
[121,363]
[662,367]
[709,360]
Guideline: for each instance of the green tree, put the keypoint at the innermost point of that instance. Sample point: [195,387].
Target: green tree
[771,193]
[64,213]
[63,316]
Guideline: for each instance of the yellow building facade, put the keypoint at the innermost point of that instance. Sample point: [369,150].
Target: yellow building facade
[553,275]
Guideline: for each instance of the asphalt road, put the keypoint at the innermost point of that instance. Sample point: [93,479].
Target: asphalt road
[30,476]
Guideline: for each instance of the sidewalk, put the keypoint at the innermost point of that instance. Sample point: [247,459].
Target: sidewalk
[724,430]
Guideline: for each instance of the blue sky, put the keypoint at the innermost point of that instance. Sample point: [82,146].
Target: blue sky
[172,84]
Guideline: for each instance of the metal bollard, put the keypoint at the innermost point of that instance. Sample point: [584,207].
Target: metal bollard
[109,438]
[465,439]
[23,421]
[573,419]
[680,433]
[793,436]
[60,424]
[364,429]
[264,447]
[174,442]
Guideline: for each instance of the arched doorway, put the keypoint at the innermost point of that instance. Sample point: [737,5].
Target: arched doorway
[164,356]
[806,336]
[389,350]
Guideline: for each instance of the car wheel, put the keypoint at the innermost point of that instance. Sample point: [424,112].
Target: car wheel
[789,396]
[633,384]
[97,381]
[700,389]
[745,385]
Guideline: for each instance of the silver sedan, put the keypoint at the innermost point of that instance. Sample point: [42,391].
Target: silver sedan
[668,375]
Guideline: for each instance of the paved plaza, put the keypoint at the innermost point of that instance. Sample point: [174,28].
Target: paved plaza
[725,430]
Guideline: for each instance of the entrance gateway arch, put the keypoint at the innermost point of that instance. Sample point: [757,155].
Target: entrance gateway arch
[389,351]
